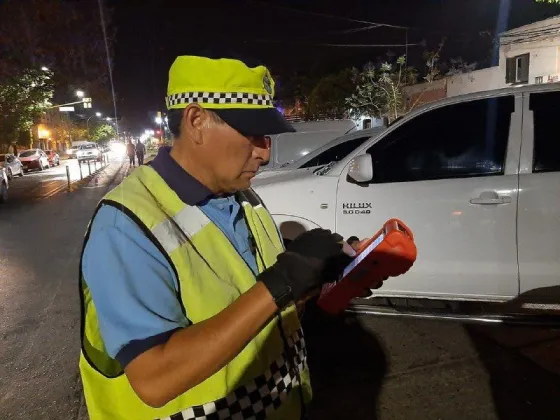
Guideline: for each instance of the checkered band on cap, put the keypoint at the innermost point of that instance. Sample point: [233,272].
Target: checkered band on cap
[219,98]
[257,399]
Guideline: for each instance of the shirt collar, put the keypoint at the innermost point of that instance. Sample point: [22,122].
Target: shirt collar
[190,190]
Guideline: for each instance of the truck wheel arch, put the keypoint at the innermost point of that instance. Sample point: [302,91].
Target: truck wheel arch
[290,227]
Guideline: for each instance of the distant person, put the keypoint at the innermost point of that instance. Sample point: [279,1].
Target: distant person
[140,152]
[131,152]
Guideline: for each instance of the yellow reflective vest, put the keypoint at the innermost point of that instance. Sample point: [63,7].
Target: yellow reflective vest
[269,378]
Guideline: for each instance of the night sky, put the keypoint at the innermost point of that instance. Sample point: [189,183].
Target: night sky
[151,34]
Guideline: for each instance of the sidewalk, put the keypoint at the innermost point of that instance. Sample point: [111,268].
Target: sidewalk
[84,178]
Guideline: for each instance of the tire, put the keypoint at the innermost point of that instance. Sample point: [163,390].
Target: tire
[10,174]
[3,193]
[58,162]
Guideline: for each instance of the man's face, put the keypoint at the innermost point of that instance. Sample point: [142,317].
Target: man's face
[233,158]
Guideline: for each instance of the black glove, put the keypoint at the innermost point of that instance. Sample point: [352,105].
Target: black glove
[324,250]
[311,260]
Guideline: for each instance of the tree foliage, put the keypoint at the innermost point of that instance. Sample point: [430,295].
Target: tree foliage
[296,88]
[65,130]
[103,133]
[22,99]
[459,66]
[380,89]
[328,97]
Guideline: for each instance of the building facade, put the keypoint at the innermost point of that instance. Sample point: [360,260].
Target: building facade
[528,54]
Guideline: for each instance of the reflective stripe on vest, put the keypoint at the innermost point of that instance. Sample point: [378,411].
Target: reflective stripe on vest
[258,398]
[211,275]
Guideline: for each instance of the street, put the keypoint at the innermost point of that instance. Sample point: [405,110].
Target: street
[361,368]
[43,184]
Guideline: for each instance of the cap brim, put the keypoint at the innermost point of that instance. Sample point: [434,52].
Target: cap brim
[255,122]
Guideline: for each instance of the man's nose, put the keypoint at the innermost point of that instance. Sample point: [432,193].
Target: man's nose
[262,148]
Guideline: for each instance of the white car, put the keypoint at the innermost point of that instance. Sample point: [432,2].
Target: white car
[476,178]
[11,164]
[4,186]
[288,147]
[88,151]
[333,151]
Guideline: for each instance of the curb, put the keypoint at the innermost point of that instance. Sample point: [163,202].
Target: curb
[74,185]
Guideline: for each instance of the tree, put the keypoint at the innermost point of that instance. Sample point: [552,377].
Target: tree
[433,70]
[65,130]
[22,99]
[459,66]
[380,89]
[296,89]
[103,133]
[328,97]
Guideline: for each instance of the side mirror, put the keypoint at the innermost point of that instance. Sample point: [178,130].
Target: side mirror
[361,169]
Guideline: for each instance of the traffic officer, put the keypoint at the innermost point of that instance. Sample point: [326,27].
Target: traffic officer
[187,291]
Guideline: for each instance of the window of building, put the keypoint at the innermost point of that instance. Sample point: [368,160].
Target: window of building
[517,69]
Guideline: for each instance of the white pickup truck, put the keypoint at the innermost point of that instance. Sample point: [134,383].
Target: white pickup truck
[476,178]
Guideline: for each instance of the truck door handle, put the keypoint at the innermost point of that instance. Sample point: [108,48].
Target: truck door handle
[491,197]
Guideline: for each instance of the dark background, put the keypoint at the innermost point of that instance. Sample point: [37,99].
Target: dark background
[289,36]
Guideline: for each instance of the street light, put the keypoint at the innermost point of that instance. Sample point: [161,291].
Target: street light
[159,121]
[80,93]
[98,115]
[45,68]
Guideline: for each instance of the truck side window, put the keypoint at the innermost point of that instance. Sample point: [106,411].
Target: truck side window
[456,141]
[335,153]
[546,112]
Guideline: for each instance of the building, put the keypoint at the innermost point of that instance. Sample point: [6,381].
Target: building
[528,54]
[53,130]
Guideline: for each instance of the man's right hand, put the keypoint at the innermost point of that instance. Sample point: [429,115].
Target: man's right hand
[311,260]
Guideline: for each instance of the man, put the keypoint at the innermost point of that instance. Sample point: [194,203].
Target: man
[140,151]
[187,292]
[130,151]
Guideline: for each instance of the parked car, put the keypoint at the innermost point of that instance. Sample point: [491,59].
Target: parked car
[288,147]
[4,185]
[53,157]
[33,159]
[476,178]
[333,151]
[89,151]
[11,164]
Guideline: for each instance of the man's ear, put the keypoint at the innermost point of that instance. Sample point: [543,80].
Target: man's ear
[193,122]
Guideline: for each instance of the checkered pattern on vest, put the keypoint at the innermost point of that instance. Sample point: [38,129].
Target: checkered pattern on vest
[257,399]
[219,98]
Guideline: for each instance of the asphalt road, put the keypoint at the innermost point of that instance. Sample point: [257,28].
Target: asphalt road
[362,368]
[44,184]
